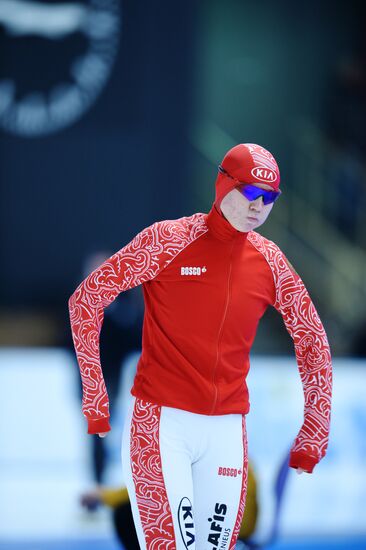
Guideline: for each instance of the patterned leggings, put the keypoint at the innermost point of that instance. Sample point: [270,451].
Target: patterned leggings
[186,475]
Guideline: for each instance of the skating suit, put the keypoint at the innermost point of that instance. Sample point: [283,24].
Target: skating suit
[206,286]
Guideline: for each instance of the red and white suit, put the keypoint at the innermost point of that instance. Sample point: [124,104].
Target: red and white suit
[206,286]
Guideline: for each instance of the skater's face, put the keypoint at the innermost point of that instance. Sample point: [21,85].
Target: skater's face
[245,215]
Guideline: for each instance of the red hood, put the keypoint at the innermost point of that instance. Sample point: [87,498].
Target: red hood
[246,163]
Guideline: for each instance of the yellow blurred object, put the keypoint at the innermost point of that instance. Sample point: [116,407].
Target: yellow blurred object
[251,507]
[114,497]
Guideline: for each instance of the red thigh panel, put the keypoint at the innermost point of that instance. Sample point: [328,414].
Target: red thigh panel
[243,494]
[152,501]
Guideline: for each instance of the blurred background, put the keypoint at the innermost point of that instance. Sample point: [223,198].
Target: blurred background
[115,114]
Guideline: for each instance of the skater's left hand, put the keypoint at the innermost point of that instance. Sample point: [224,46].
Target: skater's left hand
[103,434]
[300,471]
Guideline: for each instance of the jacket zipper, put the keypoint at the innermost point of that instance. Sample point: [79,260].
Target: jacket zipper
[220,333]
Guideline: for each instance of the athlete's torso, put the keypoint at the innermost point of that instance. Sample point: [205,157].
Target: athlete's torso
[201,316]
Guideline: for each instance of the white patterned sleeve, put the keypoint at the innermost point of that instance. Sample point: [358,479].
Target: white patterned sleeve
[314,362]
[138,262]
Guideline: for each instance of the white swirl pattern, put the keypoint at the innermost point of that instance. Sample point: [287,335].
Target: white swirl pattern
[243,494]
[311,347]
[141,260]
[262,157]
[151,496]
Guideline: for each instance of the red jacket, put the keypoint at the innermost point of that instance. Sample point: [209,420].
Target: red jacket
[206,286]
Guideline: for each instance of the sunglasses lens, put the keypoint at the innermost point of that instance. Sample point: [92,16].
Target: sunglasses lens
[271,196]
[251,192]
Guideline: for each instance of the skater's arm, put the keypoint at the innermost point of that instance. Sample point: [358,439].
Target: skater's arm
[136,263]
[140,261]
[314,362]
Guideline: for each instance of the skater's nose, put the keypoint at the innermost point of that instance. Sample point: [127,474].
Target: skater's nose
[257,205]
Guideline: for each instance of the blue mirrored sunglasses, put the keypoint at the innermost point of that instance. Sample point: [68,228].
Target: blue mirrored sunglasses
[252,192]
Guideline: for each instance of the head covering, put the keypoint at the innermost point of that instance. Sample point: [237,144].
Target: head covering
[246,163]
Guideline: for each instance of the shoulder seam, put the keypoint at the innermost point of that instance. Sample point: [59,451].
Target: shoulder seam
[198,222]
[251,236]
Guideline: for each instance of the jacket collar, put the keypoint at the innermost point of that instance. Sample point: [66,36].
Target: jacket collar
[221,228]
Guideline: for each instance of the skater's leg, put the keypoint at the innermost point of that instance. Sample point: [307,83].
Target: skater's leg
[158,475]
[219,481]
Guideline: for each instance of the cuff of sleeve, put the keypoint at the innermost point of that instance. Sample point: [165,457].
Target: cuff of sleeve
[300,459]
[98,425]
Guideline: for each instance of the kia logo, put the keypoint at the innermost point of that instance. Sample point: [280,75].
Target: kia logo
[264,174]
[185,519]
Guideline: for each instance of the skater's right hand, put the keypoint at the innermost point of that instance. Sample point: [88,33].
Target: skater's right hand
[103,434]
